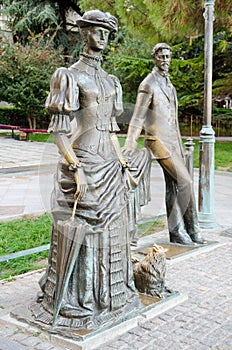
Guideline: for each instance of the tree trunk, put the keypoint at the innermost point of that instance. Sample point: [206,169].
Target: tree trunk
[29,121]
[34,122]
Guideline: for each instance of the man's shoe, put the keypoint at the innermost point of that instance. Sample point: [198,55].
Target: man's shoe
[180,238]
[196,238]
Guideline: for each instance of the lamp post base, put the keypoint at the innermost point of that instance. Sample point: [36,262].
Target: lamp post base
[207,221]
[206,178]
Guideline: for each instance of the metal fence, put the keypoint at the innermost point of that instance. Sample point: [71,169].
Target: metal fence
[191,126]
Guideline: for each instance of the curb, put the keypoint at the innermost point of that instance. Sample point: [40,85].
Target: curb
[28,168]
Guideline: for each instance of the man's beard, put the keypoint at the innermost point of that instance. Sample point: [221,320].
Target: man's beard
[165,67]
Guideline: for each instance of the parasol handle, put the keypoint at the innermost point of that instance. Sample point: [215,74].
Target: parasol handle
[74,209]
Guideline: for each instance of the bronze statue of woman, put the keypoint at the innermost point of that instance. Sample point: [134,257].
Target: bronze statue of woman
[84,102]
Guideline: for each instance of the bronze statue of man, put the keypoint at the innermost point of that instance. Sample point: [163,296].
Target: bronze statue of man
[156,110]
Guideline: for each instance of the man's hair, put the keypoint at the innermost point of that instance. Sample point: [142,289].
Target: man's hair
[159,47]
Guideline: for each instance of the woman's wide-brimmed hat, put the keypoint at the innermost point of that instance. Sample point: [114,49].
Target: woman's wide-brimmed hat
[98,18]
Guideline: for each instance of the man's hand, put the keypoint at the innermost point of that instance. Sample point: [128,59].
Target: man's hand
[128,150]
[130,145]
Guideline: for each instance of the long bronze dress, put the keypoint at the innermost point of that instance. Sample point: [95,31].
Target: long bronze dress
[101,285]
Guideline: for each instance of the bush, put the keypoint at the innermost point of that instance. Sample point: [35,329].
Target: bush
[25,73]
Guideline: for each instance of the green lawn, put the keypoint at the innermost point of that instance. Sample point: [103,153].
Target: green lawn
[223,155]
[29,233]
[20,235]
[148,228]
[41,137]
[32,137]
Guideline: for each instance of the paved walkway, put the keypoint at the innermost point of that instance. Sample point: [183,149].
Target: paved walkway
[26,176]
[203,322]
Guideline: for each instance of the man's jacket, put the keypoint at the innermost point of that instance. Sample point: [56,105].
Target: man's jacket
[156,111]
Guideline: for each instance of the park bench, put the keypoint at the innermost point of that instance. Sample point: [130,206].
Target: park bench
[10,127]
[32,131]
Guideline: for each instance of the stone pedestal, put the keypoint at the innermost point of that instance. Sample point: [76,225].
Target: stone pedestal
[88,339]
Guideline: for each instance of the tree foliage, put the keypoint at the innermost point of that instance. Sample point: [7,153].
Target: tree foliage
[181,24]
[26,16]
[25,73]
[170,20]
[142,25]
[186,70]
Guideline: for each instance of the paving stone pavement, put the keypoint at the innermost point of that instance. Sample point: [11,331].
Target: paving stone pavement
[202,322]
[15,154]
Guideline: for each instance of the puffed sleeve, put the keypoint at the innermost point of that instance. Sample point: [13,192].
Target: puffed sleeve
[118,106]
[62,100]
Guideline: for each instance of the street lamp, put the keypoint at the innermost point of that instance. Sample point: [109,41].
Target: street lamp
[207,138]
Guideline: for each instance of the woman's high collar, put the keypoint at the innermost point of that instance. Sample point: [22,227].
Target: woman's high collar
[91,60]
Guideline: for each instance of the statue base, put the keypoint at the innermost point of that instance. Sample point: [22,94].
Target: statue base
[90,339]
[176,251]
[172,250]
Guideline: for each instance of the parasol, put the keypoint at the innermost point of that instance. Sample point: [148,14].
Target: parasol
[70,235]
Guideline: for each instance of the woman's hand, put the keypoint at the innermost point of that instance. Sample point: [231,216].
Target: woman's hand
[81,183]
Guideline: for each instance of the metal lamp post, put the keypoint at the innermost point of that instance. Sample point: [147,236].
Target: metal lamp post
[207,138]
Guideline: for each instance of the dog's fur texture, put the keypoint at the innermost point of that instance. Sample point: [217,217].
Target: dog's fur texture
[149,273]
